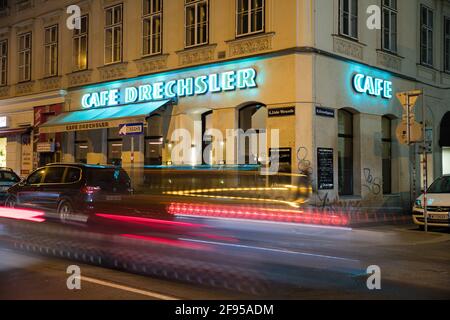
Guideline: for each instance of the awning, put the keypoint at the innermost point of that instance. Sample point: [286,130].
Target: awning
[100,118]
[13,132]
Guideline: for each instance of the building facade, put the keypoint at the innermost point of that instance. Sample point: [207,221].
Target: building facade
[314,71]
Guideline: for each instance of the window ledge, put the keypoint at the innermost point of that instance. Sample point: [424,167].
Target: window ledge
[348,46]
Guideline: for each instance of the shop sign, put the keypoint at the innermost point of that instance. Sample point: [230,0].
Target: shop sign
[325,112]
[27,157]
[45,147]
[131,129]
[87,126]
[371,86]
[284,158]
[173,89]
[325,168]
[282,112]
[4,122]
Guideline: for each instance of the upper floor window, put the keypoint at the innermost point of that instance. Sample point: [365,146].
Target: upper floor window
[348,18]
[426,36]
[3,62]
[196,22]
[151,27]
[390,25]
[250,17]
[80,45]
[3,4]
[24,52]
[447,44]
[113,34]
[51,51]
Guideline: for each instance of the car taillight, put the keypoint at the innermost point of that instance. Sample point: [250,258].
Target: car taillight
[90,189]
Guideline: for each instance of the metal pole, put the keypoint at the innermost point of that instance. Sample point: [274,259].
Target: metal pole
[425,165]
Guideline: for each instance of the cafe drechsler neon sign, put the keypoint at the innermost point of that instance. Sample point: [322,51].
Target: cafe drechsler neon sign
[185,87]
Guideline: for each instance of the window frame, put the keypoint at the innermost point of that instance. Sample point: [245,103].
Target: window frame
[4,62]
[150,16]
[52,62]
[25,51]
[446,44]
[3,5]
[78,38]
[393,11]
[341,23]
[250,33]
[113,27]
[195,4]
[428,29]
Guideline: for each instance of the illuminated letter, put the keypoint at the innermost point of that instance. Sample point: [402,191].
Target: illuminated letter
[357,85]
[85,101]
[95,100]
[369,87]
[158,91]
[201,85]
[214,85]
[246,78]
[387,90]
[104,98]
[169,89]
[228,81]
[145,93]
[113,97]
[378,87]
[131,95]
[185,87]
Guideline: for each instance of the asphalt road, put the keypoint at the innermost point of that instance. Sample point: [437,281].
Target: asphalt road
[413,265]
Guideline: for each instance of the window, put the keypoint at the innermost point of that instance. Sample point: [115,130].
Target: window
[390,25]
[113,34]
[36,177]
[80,45]
[9,176]
[3,62]
[51,51]
[154,140]
[3,4]
[447,44]
[196,22]
[387,154]
[81,146]
[442,185]
[24,46]
[345,150]
[73,175]
[115,145]
[348,18]
[250,17]
[426,36]
[152,27]
[54,175]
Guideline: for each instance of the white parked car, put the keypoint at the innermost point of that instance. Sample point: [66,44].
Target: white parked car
[438,204]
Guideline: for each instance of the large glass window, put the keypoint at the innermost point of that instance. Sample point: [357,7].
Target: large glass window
[24,53]
[3,62]
[447,44]
[113,34]
[426,36]
[348,18]
[387,154]
[250,17]
[81,146]
[196,22]
[345,150]
[154,140]
[152,27]
[115,146]
[253,121]
[36,177]
[80,45]
[390,25]
[51,51]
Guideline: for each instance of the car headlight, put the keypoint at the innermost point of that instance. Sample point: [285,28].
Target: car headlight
[419,204]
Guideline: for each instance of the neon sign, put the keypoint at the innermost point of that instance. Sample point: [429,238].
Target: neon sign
[185,87]
[372,86]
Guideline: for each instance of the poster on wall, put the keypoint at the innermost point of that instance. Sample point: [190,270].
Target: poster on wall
[27,156]
[325,168]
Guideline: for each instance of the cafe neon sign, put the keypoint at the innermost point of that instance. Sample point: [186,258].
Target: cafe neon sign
[185,87]
[372,86]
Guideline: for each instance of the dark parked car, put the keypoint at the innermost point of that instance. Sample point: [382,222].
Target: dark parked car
[8,178]
[70,188]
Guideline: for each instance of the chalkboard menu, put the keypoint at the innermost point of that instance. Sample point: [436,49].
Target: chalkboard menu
[325,168]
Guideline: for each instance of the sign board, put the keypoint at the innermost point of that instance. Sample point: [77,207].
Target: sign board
[325,168]
[131,129]
[45,147]
[282,112]
[4,122]
[415,133]
[413,97]
[325,112]
[372,86]
[27,156]
[284,158]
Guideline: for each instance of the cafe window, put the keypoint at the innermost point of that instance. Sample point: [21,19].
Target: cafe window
[24,52]
[115,146]
[390,25]
[252,122]
[51,51]
[345,153]
[387,154]
[152,27]
[3,62]
[81,146]
[250,17]
[113,34]
[348,17]
[154,141]
[426,35]
[196,22]
[80,45]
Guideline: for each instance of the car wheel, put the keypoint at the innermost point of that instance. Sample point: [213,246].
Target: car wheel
[11,202]
[65,209]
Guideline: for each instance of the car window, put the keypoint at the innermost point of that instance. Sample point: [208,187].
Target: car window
[36,177]
[9,176]
[73,175]
[108,178]
[54,175]
[442,185]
